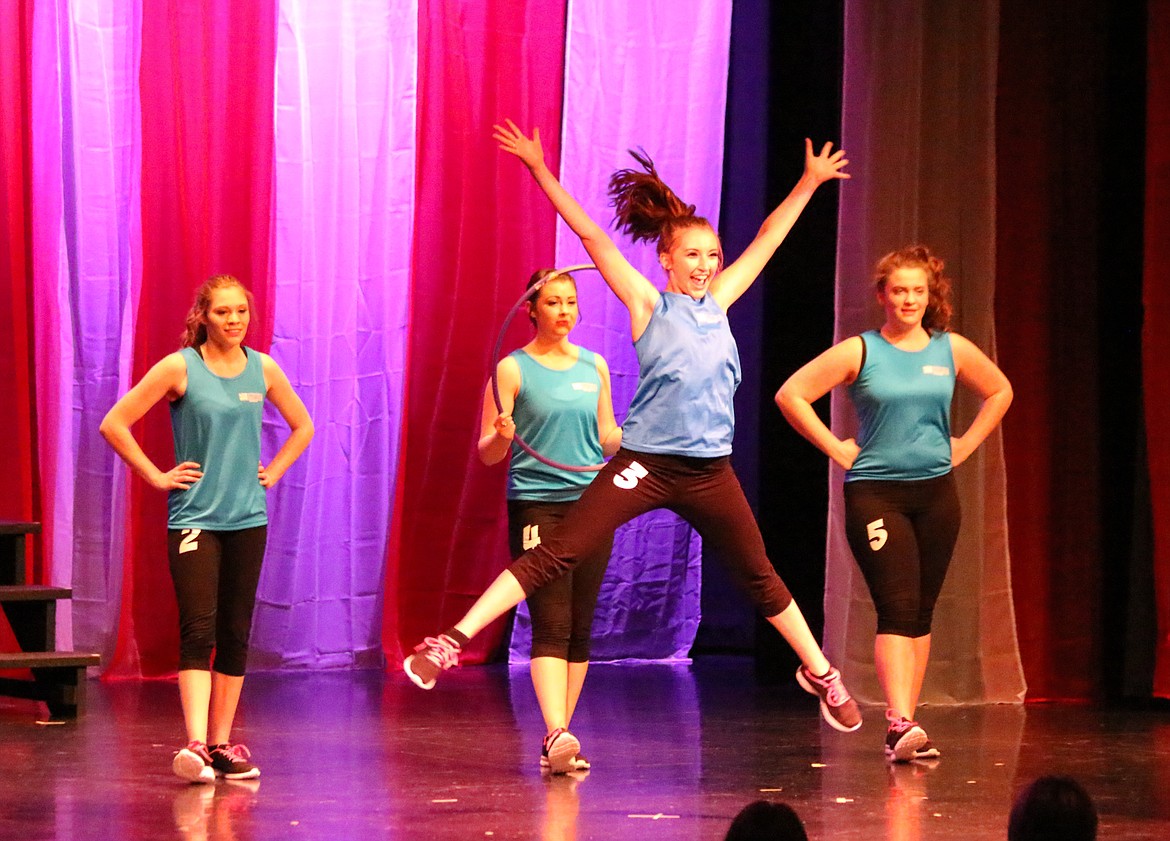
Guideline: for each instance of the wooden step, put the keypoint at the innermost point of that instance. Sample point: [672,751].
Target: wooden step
[48,660]
[58,679]
[33,593]
[13,535]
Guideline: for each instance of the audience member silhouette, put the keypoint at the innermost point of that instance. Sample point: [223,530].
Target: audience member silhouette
[766,821]
[1053,808]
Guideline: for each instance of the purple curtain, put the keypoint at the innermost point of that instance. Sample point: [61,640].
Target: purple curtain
[344,206]
[649,604]
[86,136]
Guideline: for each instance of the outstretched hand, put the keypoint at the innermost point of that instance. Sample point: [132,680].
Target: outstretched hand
[514,141]
[825,166]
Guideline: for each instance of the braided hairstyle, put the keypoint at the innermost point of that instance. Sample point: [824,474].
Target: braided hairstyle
[195,329]
[647,210]
[937,317]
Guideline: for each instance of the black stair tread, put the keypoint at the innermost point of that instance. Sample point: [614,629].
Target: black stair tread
[53,659]
[19,527]
[33,593]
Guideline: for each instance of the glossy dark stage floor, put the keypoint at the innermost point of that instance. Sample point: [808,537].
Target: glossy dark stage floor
[677,751]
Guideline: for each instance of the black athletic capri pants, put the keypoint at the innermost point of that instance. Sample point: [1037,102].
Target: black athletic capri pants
[902,534]
[215,575]
[562,610]
[703,491]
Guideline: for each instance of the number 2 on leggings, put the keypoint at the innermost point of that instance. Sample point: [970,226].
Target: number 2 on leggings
[876,531]
[190,541]
[628,478]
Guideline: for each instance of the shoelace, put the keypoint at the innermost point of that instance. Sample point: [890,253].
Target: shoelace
[200,750]
[236,753]
[442,651]
[835,692]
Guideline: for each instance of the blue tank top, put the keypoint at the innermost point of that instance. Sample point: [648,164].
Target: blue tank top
[556,415]
[903,403]
[217,424]
[688,373]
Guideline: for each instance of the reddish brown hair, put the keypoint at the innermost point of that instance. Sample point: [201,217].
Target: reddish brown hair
[939,308]
[195,332]
[647,210]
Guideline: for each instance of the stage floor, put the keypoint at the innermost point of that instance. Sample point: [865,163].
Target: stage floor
[676,752]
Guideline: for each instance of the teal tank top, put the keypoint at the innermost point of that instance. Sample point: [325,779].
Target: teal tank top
[217,424]
[903,403]
[688,373]
[556,415]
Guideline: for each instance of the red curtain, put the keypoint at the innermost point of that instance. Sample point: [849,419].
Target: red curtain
[478,63]
[17,445]
[207,93]
[1156,333]
[1046,320]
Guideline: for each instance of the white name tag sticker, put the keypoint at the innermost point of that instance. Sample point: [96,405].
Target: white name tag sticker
[591,388]
[251,397]
[936,370]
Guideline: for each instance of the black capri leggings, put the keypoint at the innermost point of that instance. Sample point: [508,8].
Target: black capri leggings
[703,491]
[562,610]
[902,534]
[215,575]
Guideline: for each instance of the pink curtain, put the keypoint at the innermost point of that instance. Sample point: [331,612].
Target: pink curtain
[206,87]
[487,226]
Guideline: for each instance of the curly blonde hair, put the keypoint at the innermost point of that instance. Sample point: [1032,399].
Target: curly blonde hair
[939,309]
[195,330]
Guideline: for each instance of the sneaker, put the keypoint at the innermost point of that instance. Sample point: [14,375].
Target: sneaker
[903,739]
[837,707]
[927,751]
[193,764]
[559,753]
[431,657]
[231,762]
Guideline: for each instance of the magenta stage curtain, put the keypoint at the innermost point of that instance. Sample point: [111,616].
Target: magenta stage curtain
[206,88]
[487,226]
[17,448]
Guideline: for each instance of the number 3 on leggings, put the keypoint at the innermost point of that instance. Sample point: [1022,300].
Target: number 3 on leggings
[876,531]
[628,478]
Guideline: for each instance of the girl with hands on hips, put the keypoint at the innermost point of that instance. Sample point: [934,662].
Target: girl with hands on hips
[217,520]
[901,507]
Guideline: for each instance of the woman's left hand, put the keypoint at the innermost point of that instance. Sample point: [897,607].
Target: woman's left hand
[959,452]
[262,475]
[825,166]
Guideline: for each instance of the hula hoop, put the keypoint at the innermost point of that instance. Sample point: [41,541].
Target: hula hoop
[520,442]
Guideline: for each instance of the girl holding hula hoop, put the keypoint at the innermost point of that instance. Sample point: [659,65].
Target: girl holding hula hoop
[677,436]
[557,396]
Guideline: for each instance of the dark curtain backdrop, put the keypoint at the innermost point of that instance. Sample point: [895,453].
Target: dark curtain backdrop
[1156,351]
[1068,311]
